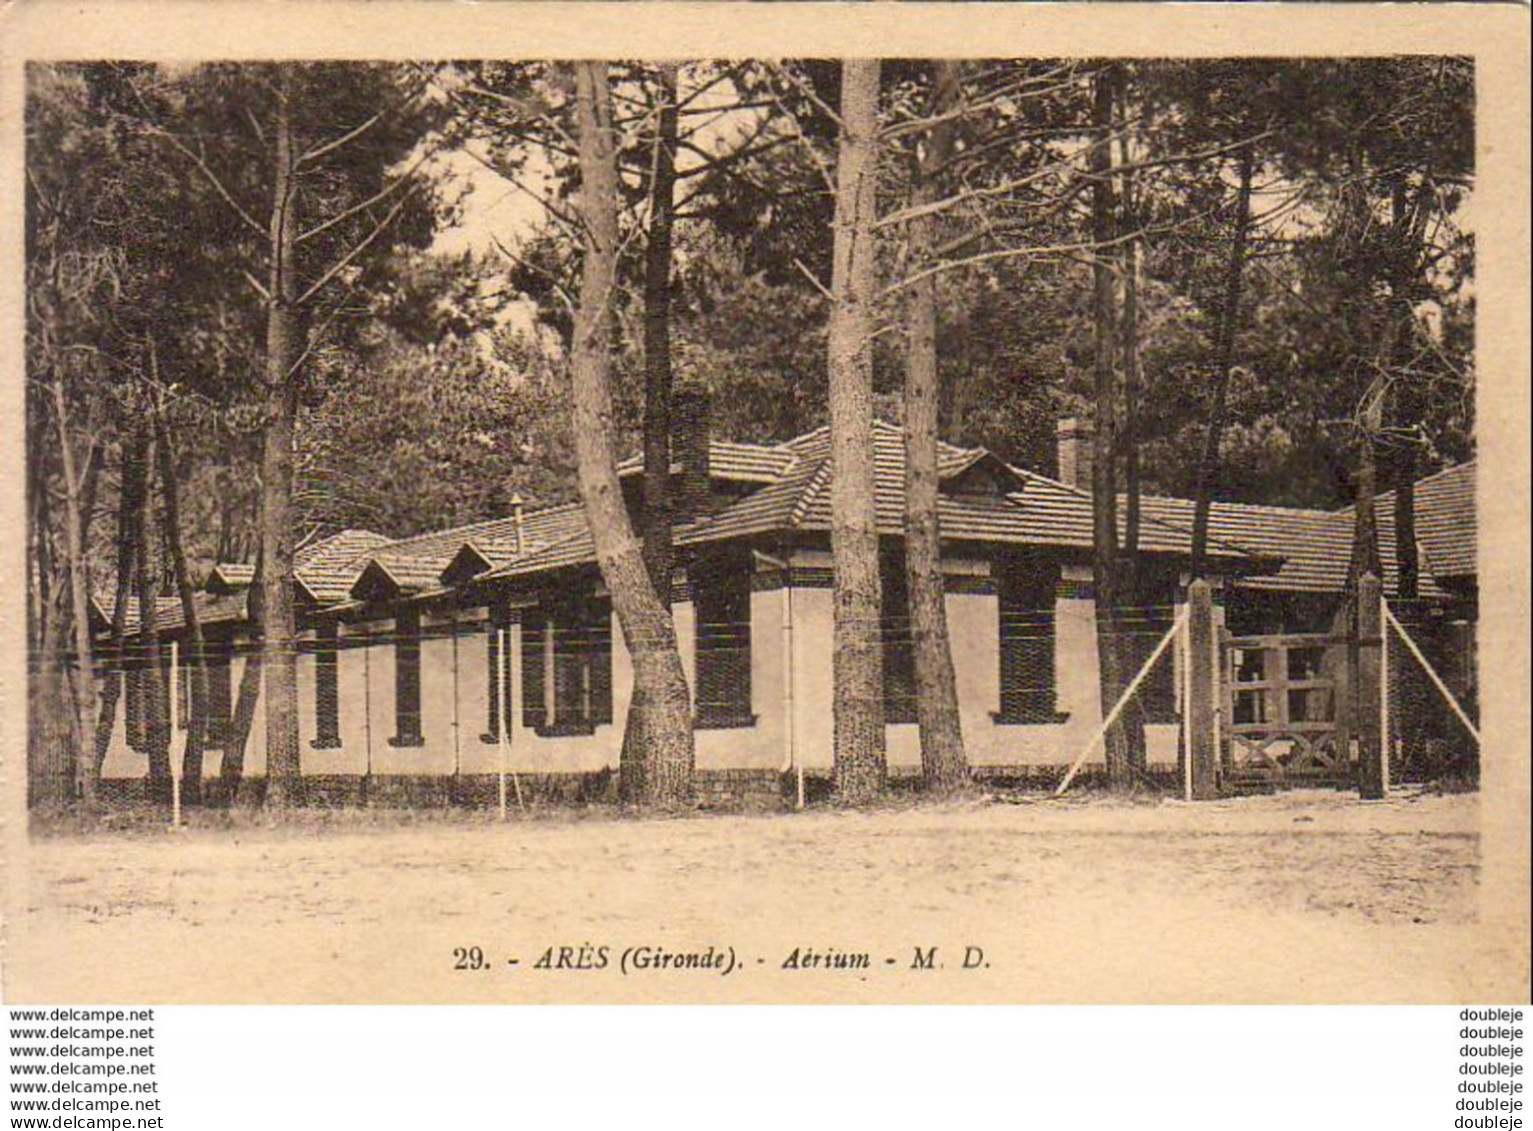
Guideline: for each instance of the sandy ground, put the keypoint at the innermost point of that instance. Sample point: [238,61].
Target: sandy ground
[1307,896]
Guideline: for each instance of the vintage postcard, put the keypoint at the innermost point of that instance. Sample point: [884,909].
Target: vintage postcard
[711,503]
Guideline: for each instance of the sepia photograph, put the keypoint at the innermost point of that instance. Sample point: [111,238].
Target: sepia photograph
[801,526]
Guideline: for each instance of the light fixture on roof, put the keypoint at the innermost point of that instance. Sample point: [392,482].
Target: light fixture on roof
[516,518]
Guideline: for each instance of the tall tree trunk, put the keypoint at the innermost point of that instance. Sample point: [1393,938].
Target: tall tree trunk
[196,728]
[1406,557]
[48,770]
[660,763]
[82,671]
[1104,487]
[857,657]
[1132,587]
[657,341]
[242,718]
[943,762]
[283,348]
[1405,395]
[152,687]
[91,479]
[1132,378]
[130,503]
[1224,362]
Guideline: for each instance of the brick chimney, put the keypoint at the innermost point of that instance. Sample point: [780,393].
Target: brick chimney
[691,427]
[1075,438]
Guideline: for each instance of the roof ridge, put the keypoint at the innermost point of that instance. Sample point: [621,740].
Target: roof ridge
[811,489]
[479,526]
[1309,512]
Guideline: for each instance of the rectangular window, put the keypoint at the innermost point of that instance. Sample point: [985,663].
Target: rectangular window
[327,689]
[407,680]
[899,659]
[721,596]
[1025,592]
[567,666]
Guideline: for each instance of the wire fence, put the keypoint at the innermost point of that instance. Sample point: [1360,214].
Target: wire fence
[567,674]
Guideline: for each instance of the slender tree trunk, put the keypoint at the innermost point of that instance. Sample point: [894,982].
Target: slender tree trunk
[1365,527]
[657,341]
[1406,557]
[130,504]
[1224,362]
[1405,399]
[241,719]
[1133,589]
[1104,487]
[247,699]
[943,762]
[48,733]
[82,671]
[283,348]
[857,657]
[659,725]
[196,733]
[48,770]
[88,489]
[1132,379]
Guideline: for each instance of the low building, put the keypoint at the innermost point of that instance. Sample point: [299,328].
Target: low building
[450,657]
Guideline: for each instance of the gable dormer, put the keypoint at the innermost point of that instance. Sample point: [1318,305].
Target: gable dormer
[378,582]
[981,478]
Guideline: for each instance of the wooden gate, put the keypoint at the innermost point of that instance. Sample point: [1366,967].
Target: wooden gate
[1279,710]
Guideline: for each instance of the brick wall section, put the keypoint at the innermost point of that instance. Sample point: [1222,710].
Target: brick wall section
[747,790]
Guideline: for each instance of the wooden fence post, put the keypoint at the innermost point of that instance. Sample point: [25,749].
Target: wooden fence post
[1202,750]
[1365,692]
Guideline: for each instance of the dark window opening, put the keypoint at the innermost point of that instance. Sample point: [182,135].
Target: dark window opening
[899,652]
[567,666]
[407,680]
[721,588]
[1025,592]
[327,689]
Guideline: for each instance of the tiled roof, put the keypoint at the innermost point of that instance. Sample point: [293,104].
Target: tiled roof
[212,608]
[1272,547]
[1445,520]
[327,568]
[415,564]
[1315,546]
[1036,511]
[727,459]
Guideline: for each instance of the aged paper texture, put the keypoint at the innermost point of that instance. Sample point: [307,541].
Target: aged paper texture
[1007,897]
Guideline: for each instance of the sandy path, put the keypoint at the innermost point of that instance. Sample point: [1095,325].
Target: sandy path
[1307,896]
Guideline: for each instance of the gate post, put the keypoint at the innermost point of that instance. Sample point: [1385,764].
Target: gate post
[1202,689]
[1366,720]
